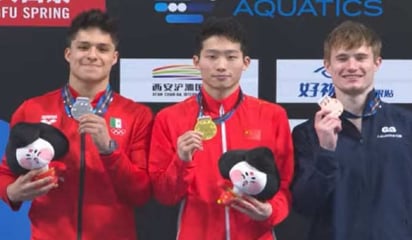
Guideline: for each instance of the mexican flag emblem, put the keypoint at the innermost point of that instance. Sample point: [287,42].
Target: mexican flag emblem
[115,122]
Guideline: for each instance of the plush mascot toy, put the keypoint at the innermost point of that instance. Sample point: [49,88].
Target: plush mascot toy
[36,146]
[251,172]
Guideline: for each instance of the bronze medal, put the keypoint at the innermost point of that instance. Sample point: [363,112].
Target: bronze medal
[206,126]
[332,104]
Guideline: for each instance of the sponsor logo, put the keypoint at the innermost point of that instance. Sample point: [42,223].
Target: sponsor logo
[306,81]
[182,71]
[390,129]
[48,119]
[313,8]
[389,132]
[184,11]
[329,89]
[193,11]
[170,80]
[177,72]
[175,89]
[315,89]
[43,12]
[322,70]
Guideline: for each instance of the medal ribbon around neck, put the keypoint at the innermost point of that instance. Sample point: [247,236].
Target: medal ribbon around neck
[224,117]
[100,108]
[370,109]
[205,124]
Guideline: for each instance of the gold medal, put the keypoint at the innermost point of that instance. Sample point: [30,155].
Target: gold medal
[206,126]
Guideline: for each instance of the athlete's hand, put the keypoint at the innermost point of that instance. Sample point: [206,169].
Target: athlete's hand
[187,144]
[25,188]
[252,207]
[97,128]
[327,127]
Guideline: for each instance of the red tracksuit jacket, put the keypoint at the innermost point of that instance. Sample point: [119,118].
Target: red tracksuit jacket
[113,184]
[254,123]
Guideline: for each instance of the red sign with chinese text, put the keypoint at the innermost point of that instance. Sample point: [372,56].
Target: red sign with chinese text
[44,12]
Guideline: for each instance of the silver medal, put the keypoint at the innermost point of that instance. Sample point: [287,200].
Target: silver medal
[80,107]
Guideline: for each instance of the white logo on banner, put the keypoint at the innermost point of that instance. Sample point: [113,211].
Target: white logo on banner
[305,81]
[171,80]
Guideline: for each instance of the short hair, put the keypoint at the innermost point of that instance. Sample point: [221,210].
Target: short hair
[223,27]
[349,35]
[93,18]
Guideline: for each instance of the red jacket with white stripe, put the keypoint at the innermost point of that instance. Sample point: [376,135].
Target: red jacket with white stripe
[114,184]
[254,123]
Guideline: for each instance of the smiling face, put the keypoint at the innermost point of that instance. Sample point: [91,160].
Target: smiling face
[353,70]
[351,57]
[91,55]
[221,63]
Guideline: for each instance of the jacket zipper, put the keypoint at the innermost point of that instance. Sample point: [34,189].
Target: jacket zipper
[81,186]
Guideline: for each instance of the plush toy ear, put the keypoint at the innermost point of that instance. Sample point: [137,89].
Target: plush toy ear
[34,145]
[228,160]
[21,134]
[56,138]
[262,159]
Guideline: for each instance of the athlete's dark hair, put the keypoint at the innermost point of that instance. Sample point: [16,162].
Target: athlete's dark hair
[93,18]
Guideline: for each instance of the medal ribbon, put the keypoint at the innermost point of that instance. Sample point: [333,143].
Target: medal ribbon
[100,108]
[225,116]
[370,109]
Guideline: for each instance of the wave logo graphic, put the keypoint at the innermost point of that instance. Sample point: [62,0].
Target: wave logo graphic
[180,72]
[322,70]
[183,12]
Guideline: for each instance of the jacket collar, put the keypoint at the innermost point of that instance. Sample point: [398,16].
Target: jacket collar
[212,105]
[93,101]
[372,105]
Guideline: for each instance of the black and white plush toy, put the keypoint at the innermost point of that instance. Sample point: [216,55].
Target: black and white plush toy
[35,146]
[251,172]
